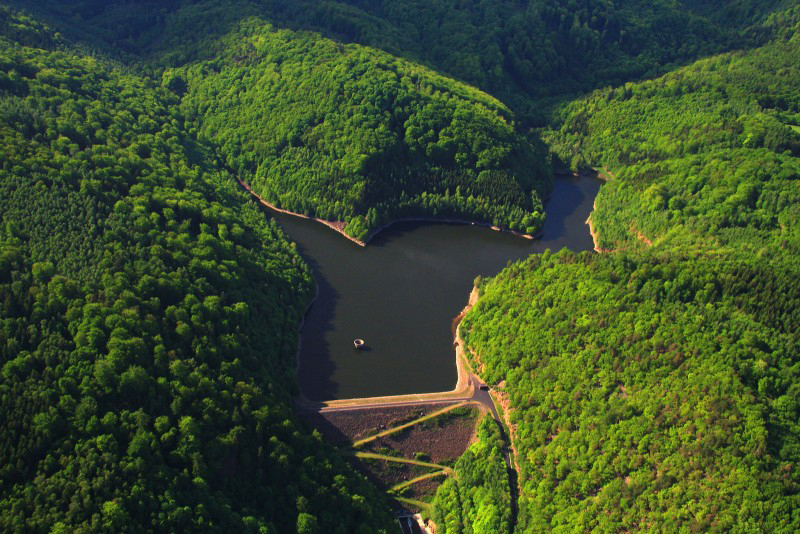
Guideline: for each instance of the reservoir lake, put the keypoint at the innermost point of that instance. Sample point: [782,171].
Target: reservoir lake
[402,291]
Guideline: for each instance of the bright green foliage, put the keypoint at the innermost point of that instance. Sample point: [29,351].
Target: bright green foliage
[513,49]
[656,387]
[704,154]
[477,499]
[348,133]
[648,392]
[148,318]
[148,313]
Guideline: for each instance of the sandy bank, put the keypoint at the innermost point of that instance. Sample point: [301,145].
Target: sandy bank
[593,231]
[605,175]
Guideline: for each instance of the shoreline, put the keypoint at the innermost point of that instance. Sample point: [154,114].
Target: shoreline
[300,333]
[463,388]
[464,370]
[461,353]
[593,231]
[498,397]
[338,226]
[452,221]
[604,175]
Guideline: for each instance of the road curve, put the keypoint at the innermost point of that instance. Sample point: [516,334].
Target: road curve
[470,388]
[474,393]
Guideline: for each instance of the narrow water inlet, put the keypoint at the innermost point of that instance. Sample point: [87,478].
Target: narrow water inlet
[402,291]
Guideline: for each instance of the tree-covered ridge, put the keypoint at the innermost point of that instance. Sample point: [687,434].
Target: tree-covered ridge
[477,499]
[148,319]
[654,387]
[148,312]
[353,134]
[23,29]
[346,133]
[708,153]
[649,392]
[515,50]
[518,50]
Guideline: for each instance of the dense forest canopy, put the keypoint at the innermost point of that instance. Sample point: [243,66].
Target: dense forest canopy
[149,317]
[513,49]
[655,385]
[149,310]
[478,497]
[655,391]
[348,133]
[420,144]
[709,152]
[345,133]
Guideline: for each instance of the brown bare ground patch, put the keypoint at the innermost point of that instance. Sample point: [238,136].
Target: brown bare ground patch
[643,238]
[424,490]
[385,474]
[439,440]
[346,426]
[442,439]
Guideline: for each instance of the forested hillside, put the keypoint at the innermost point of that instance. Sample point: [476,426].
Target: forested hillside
[351,134]
[514,50]
[348,133]
[648,391]
[478,497]
[149,311]
[708,153]
[149,317]
[343,132]
[655,385]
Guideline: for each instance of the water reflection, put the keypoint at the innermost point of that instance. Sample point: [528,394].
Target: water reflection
[402,291]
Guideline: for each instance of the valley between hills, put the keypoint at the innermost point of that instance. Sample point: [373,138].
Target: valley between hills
[178,357]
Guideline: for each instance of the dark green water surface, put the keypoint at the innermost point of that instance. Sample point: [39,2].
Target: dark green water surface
[401,293]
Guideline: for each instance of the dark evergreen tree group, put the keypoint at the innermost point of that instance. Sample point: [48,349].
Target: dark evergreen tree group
[149,310]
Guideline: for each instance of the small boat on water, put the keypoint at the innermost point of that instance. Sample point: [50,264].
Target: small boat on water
[359,343]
